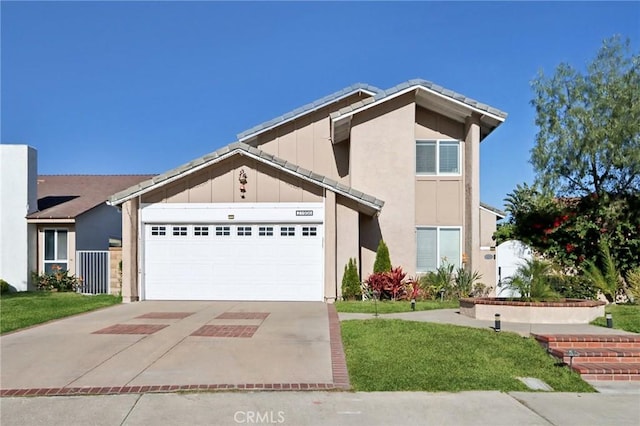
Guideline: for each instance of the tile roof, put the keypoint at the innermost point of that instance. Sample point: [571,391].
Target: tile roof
[495,210]
[319,103]
[382,94]
[68,196]
[242,148]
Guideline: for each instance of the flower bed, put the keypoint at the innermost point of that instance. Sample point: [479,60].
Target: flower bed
[567,311]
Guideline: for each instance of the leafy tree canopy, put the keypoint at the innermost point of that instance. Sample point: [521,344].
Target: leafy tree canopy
[589,125]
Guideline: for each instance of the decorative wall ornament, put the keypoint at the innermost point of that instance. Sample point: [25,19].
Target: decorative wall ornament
[242,178]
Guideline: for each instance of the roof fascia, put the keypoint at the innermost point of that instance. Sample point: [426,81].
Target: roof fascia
[51,220]
[418,87]
[302,114]
[496,212]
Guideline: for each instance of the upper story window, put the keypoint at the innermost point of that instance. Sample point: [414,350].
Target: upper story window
[438,157]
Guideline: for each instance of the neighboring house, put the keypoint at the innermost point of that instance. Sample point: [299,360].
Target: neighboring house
[66,217]
[73,216]
[277,214]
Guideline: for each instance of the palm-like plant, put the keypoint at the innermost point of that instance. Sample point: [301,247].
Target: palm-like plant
[607,278]
[531,280]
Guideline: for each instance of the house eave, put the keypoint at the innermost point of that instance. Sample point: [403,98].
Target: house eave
[368,207]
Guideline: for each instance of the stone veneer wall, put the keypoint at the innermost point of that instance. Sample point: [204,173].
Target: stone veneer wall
[115,273]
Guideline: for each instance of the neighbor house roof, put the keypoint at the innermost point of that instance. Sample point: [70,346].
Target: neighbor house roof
[68,196]
[305,109]
[429,95]
[501,214]
[371,204]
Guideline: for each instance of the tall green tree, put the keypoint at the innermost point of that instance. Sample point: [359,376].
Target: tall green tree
[589,124]
[587,162]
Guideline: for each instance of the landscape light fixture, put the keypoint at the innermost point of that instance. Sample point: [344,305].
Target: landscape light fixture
[609,320]
[496,325]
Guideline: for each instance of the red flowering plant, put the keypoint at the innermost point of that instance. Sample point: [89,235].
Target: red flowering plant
[387,285]
[569,230]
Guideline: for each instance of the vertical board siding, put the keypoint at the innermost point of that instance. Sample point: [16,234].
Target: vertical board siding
[93,268]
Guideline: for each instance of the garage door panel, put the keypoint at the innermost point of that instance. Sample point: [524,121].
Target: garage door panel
[265,265]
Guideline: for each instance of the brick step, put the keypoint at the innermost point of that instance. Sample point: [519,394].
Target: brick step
[612,377]
[598,355]
[588,341]
[606,368]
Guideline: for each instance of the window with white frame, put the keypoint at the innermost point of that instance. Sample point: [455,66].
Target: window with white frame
[243,231]
[223,231]
[287,231]
[436,246]
[309,231]
[200,231]
[438,157]
[179,231]
[158,230]
[265,231]
[55,249]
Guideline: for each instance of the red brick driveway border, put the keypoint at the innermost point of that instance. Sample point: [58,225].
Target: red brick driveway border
[338,366]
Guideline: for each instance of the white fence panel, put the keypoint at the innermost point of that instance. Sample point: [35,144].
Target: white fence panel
[93,267]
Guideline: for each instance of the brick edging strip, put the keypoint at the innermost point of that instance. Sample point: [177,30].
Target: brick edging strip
[118,390]
[338,361]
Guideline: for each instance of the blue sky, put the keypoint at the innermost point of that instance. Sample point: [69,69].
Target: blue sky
[142,87]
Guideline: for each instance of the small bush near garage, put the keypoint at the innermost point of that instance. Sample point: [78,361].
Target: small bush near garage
[58,280]
[351,289]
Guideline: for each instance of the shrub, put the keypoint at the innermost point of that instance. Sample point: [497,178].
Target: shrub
[414,292]
[58,279]
[532,280]
[572,286]
[633,285]
[465,282]
[383,260]
[4,286]
[388,285]
[351,281]
[440,282]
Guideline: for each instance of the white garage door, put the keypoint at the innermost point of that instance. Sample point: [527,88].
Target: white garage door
[239,261]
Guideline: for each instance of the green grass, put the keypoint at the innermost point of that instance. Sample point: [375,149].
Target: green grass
[19,310]
[389,307]
[625,317]
[396,355]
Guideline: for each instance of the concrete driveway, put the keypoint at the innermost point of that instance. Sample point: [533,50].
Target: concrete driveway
[160,346]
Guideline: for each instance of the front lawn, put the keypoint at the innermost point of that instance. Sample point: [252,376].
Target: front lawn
[19,310]
[396,355]
[389,307]
[625,317]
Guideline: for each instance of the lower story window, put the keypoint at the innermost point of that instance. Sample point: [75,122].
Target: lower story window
[437,246]
[55,249]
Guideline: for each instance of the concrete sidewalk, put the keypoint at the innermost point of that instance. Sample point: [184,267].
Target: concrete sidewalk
[325,408]
[451,316]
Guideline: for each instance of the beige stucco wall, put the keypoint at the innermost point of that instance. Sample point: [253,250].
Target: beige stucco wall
[220,184]
[306,142]
[487,262]
[115,273]
[383,158]
[439,199]
[347,237]
[71,245]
